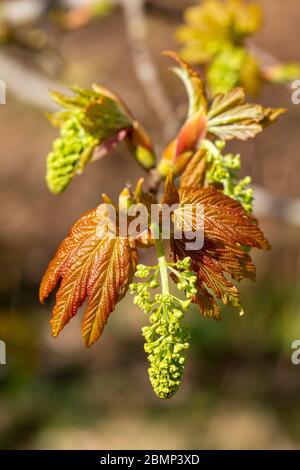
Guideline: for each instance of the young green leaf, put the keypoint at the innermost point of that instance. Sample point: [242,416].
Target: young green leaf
[230,117]
[92,123]
[215,24]
[193,83]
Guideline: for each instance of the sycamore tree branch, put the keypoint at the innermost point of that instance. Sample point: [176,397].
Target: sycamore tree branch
[32,87]
[267,59]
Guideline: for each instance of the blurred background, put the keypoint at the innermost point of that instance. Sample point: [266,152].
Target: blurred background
[240,388]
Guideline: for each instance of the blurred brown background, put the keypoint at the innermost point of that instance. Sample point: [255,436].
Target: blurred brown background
[240,388]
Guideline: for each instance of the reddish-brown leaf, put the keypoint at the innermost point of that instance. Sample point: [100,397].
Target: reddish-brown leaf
[227,230]
[194,173]
[225,220]
[91,262]
[115,263]
[80,232]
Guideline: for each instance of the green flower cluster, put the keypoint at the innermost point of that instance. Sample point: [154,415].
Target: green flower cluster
[166,338]
[232,67]
[214,35]
[223,169]
[69,154]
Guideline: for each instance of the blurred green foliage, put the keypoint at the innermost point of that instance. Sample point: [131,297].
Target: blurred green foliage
[214,36]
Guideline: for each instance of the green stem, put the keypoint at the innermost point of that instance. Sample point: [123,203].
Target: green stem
[208,145]
[162,262]
[228,186]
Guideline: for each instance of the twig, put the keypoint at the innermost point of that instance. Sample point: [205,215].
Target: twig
[26,84]
[267,60]
[144,66]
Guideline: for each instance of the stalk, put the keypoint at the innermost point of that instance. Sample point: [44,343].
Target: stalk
[162,262]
